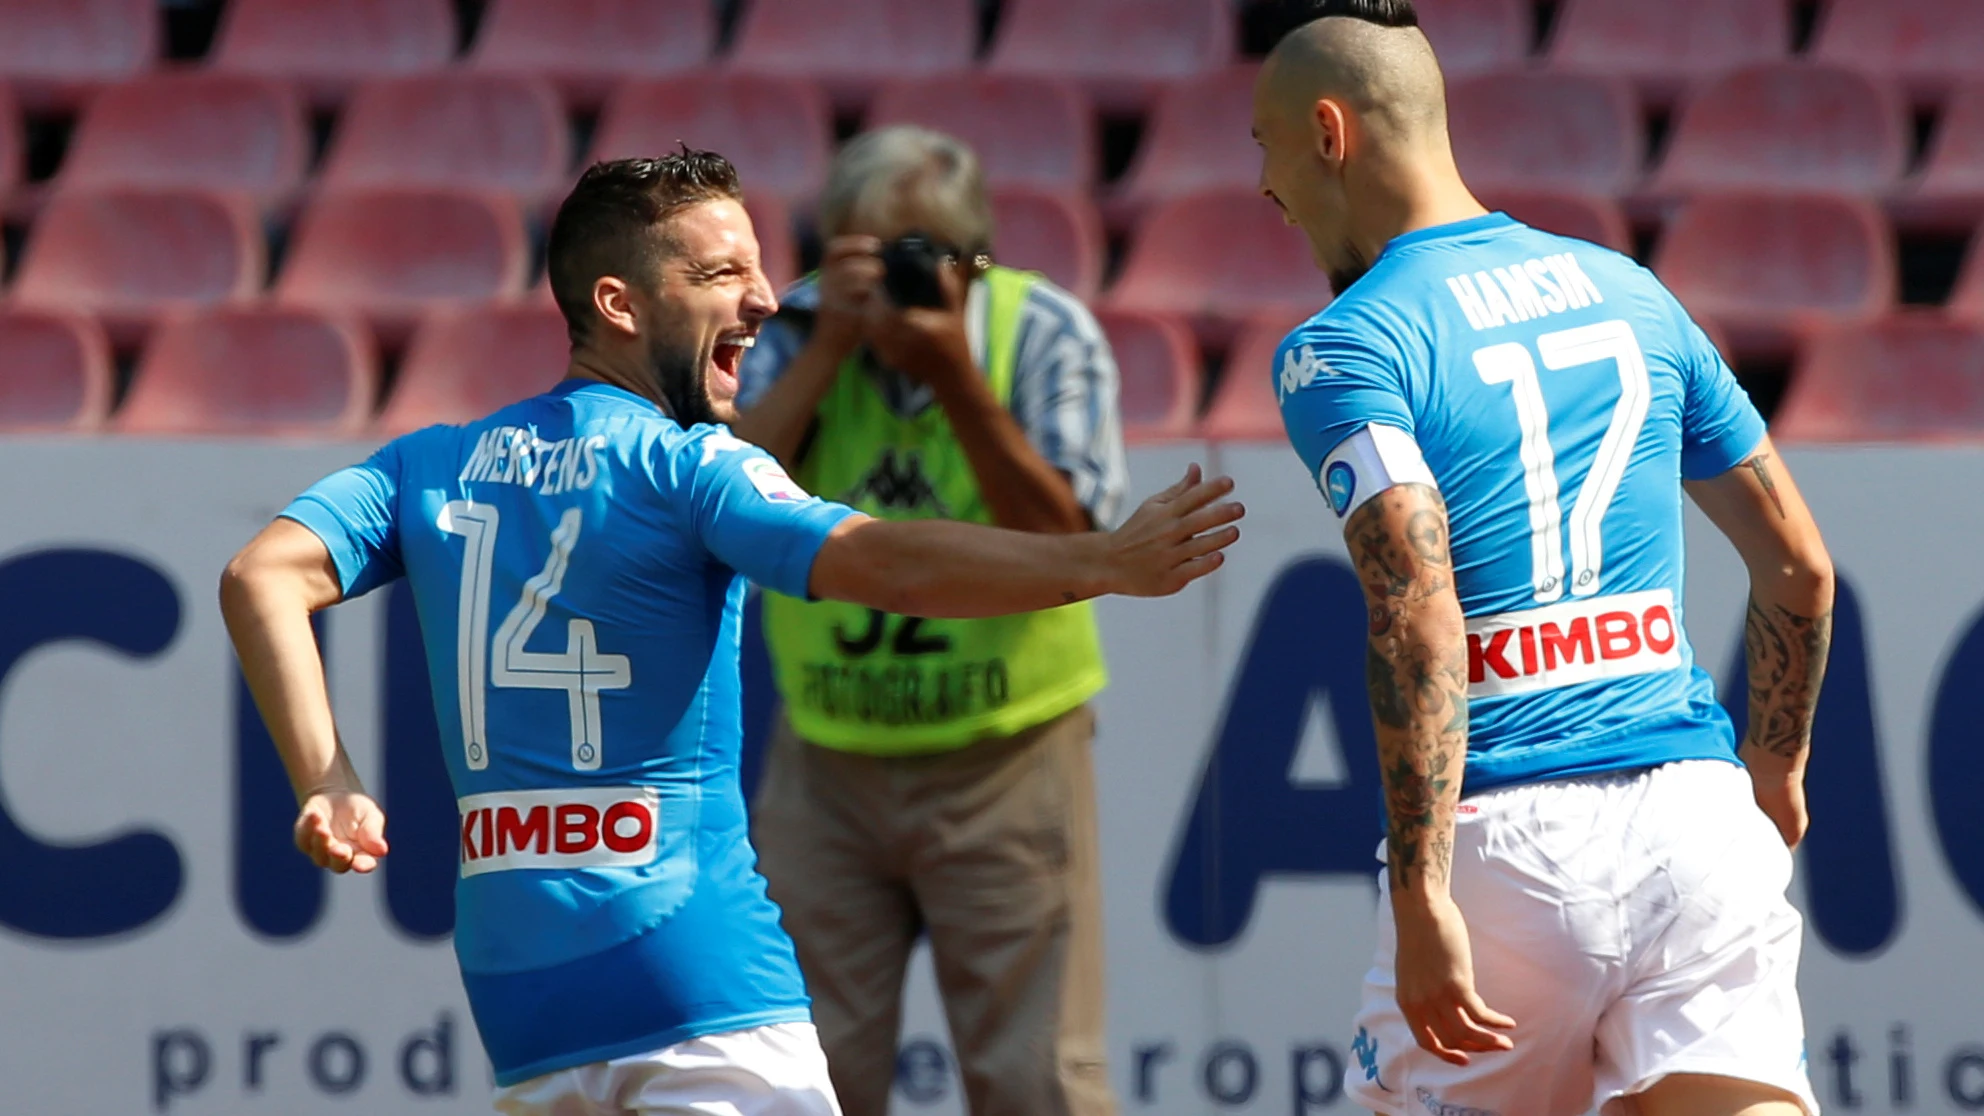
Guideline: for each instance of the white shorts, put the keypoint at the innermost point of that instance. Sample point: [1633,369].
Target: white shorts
[776,1070]
[1634,925]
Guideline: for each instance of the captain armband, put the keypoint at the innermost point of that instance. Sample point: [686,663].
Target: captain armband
[1373,459]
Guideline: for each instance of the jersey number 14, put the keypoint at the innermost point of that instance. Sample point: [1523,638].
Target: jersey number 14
[582,670]
[1512,364]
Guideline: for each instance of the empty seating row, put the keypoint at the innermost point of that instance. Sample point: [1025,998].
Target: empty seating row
[295,372]
[1774,126]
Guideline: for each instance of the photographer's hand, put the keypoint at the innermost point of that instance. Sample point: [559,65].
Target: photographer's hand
[928,344]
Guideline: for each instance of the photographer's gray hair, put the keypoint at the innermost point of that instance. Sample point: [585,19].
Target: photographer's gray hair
[879,176]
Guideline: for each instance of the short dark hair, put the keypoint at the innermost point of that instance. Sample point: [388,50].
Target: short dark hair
[1287,15]
[606,224]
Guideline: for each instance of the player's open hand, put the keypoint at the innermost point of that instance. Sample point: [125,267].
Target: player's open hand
[344,831]
[1175,537]
[1435,969]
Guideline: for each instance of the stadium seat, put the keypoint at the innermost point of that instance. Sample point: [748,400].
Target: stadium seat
[1947,194]
[327,46]
[1664,48]
[1596,219]
[1027,131]
[1244,407]
[1122,51]
[1198,138]
[253,370]
[585,47]
[1546,130]
[1905,378]
[1053,232]
[467,361]
[13,146]
[55,372]
[1477,36]
[779,131]
[1927,45]
[851,47]
[391,255]
[1766,266]
[57,53]
[193,129]
[498,132]
[1158,374]
[128,255]
[1787,126]
[1966,299]
[1218,258]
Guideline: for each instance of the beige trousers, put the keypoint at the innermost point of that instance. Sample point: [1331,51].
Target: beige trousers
[991,850]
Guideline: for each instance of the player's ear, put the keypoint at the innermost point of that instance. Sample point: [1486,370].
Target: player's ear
[1328,126]
[610,298]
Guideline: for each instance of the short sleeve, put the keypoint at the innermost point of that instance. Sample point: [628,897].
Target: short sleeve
[1332,382]
[753,517]
[1719,424]
[1067,397]
[355,512]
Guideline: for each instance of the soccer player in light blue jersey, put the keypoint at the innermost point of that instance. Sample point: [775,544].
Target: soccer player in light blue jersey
[1503,422]
[576,560]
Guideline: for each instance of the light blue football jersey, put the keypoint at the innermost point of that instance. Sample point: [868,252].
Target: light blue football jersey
[1560,395]
[575,563]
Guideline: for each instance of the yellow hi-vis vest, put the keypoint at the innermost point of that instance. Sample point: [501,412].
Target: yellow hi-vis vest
[862,680]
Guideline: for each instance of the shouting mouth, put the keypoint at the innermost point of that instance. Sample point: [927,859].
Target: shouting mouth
[728,356]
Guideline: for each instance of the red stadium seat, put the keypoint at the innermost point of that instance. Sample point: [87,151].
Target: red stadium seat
[56,53]
[393,254]
[475,131]
[129,255]
[13,146]
[466,362]
[778,131]
[1123,51]
[1767,266]
[1055,233]
[192,129]
[1244,407]
[327,46]
[1218,258]
[1158,372]
[254,370]
[1596,219]
[1476,36]
[1948,192]
[55,372]
[1787,126]
[1967,298]
[585,47]
[852,46]
[1906,378]
[1546,130]
[1928,45]
[1026,130]
[1199,138]
[1663,48]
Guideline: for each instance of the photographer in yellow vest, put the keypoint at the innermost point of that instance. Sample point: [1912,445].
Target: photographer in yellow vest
[933,777]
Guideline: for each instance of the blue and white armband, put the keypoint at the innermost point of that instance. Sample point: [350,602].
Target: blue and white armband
[1373,459]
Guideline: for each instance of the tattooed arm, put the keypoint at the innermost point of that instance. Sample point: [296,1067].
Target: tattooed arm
[1416,669]
[1789,627]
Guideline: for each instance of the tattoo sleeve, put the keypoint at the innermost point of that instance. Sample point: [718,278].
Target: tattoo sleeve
[1416,670]
[1786,657]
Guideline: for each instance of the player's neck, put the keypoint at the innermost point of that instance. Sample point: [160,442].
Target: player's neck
[590,364]
[1421,198]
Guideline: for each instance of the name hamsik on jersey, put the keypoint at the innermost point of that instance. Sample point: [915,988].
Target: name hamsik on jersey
[575,565]
[1558,394]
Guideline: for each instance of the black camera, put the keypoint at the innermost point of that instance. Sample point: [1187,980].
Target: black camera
[912,270]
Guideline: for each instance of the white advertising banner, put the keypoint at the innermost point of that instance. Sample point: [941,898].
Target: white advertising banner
[164,949]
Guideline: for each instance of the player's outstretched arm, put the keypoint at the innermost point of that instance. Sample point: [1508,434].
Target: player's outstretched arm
[1416,670]
[945,569]
[1788,631]
[266,597]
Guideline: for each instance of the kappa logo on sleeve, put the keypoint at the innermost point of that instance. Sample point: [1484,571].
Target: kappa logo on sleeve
[721,443]
[770,479]
[1299,369]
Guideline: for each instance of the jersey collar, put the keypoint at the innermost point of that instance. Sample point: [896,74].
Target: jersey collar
[572,385]
[1452,230]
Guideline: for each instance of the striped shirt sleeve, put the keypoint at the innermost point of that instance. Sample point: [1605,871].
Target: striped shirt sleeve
[1065,398]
